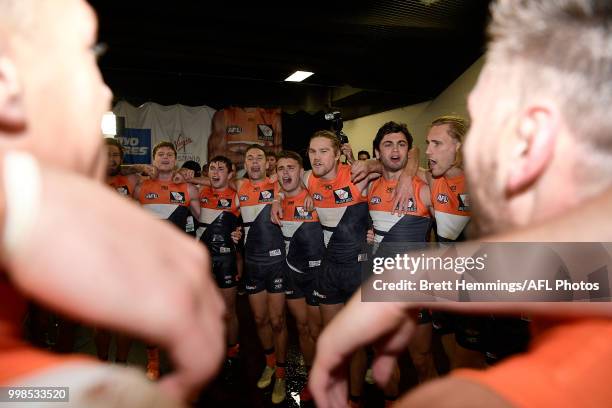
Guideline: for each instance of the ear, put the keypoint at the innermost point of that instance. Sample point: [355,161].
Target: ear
[12,114]
[458,147]
[534,147]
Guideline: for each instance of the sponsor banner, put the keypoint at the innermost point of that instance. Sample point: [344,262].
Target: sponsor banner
[187,127]
[136,145]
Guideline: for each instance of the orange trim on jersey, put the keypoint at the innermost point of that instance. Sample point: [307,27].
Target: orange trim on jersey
[339,192]
[121,184]
[568,365]
[293,209]
[19,359]
[164,192]
[449,195]
[380,196]
[225,200]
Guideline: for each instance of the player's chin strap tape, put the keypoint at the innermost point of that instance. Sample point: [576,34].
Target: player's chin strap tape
[22,192]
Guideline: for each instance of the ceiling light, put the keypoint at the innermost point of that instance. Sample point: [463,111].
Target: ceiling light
[298,76]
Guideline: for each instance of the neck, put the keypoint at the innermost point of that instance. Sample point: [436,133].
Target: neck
[220,188]
[165,175]
[391,175]
[294,192]
[259,180]
[453,172]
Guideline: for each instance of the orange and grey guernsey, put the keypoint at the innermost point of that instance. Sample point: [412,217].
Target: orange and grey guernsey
[263,240]
[388,227]
[451,203]
[219,214]
[343,213]
[121,184]
[168,201]
[256,125]
[303,235]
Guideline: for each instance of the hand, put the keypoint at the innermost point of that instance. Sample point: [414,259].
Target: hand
[359,171]
[276,213]
[152,283]
[309,203]
[178,178]
[183,176]
[403,196]
[387,325]
[370,236]
[347,151]
[149,170]
[236,235]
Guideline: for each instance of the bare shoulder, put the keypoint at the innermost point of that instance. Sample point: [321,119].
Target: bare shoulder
[453,392]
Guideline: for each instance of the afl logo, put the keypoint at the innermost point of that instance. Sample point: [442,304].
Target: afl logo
[244,198]
[204,200]
[151,196]
[375,200]
[442,198]
[317,197]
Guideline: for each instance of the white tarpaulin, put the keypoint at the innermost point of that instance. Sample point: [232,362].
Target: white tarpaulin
[188,127]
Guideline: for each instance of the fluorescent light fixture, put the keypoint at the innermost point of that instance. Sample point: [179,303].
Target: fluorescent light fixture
[109,124]
[298,76]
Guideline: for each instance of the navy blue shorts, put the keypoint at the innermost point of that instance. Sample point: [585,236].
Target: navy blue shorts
[224,271]
[264,277]
[301,284]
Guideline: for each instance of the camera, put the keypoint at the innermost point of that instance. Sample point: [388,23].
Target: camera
[336,119]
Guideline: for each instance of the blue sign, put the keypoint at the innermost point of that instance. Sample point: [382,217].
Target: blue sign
[136,146]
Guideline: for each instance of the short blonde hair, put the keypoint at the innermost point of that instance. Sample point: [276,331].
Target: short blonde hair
[327,134]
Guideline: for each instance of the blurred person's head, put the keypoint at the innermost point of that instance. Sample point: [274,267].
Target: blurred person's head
[363,155]
[51,90]
[271,159]
[540,140]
